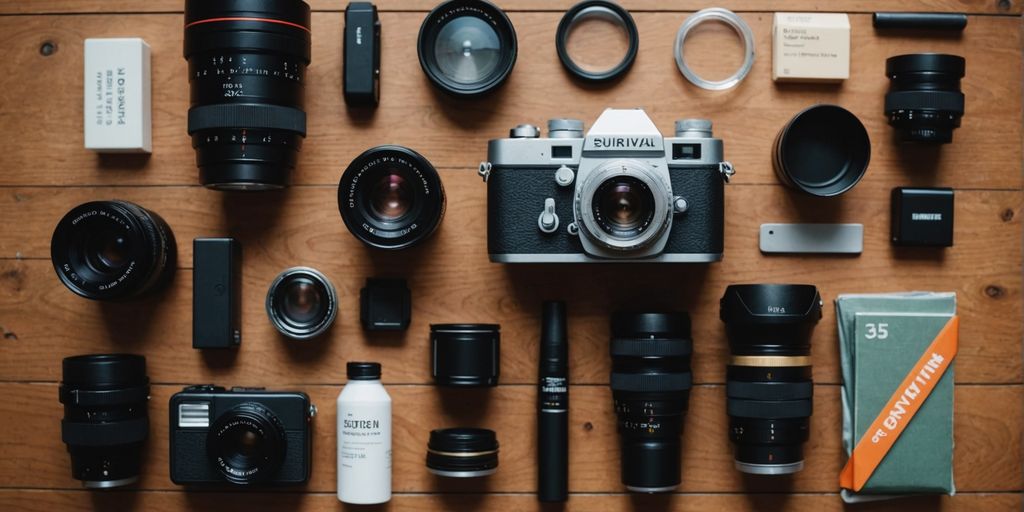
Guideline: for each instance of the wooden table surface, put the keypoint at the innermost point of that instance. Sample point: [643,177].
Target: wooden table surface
[44,171]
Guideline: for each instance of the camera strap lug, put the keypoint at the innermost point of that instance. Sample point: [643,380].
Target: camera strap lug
[484,170]
[725,168]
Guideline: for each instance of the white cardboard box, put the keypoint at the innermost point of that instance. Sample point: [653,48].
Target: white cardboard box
[117,96]
[810,47]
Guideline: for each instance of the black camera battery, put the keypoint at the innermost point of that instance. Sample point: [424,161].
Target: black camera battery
[922,217]
[216,293]
[361,67]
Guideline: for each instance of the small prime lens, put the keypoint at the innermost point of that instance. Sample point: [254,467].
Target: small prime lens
[769,389]
[465,355]
[112,250]
[651,383]
[467,47]
[924,103]
[623,206]
[462,452]
[247,444]
[105,420]
[247,64]
[597,40]
[390,197]
[302,303]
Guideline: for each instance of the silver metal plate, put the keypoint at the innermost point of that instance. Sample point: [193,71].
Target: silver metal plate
[194,415]
[812,238]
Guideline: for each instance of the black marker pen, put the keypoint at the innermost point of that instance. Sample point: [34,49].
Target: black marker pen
[553,406]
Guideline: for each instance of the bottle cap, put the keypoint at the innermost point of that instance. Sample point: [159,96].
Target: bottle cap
[363,371]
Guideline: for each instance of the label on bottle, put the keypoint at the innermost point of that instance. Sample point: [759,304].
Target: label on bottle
[364,452]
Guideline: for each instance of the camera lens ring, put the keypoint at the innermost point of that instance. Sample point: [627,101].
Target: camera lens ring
[584,10]
[261,431]
[422,216]
[309,295]
[498,26]
[661,211]
[741,28]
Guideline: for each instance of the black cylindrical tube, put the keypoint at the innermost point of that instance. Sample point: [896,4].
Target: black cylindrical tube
[921,20]
[553,406]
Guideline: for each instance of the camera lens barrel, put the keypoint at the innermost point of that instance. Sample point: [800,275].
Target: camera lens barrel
[105,420]
[769,392]
[462,452]
[391,197]
[302,303]
[924,103]
[247,444]
[650,383]
[465,355]
[112,250]
[247,63]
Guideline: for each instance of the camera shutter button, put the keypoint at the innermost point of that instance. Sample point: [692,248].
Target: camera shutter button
[524,131]
[548,220]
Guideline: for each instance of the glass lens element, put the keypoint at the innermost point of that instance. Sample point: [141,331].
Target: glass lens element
[303,301]
[624,206]
[468,50]
[391,197]
[597,40]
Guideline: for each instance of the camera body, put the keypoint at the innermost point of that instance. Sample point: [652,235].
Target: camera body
[243,436]
[623,193]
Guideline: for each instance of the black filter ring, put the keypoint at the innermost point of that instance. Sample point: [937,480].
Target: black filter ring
[562,38]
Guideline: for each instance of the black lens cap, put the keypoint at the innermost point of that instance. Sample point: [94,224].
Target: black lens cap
[362,371]
[594,8]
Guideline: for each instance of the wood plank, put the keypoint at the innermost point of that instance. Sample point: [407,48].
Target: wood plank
[453,134]
[139,6]
[452,280]
[83,501]
[987,453]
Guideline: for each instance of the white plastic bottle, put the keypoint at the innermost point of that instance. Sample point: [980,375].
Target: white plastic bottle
[364,437]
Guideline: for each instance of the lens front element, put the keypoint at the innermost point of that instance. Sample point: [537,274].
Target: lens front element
[302,303]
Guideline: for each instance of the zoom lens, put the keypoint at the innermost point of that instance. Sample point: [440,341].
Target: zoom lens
[247,63]
[105,417]
[769,389]
[390,197]
[467,47]
[651,383]
[924,103]
[112,250]
[302,303]
[247,444]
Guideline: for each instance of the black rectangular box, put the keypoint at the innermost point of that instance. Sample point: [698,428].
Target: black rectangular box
[922,217]
[216,293]
[361,65]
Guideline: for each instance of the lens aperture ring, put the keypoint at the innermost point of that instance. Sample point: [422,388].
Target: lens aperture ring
[274,117]
[769,409]
[651,347]
[769,390]
[651,382]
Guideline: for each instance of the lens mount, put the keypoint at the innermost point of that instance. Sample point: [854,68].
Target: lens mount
[391,197]
[737,24]
[302,303]
[247,444]
[467,47]
[600,9]
[624,186]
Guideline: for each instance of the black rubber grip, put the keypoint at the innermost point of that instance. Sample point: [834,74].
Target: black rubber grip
[246,115]
[651,347]
[924,100]
[769,409]
[104,434]
[769,390]
[651,381]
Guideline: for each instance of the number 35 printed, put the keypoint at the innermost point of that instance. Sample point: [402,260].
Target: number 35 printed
[877,331]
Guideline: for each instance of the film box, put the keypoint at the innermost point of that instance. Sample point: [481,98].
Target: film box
[810,47]
[881,338]
[117,96]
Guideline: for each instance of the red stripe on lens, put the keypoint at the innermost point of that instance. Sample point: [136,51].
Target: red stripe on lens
[266,20]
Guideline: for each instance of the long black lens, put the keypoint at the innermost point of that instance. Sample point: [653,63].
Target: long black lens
[105,417]
[112,250]
[769,389]
[651,383]
[247,64]
[924,103]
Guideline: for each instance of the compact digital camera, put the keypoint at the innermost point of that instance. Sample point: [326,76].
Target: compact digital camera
[621,194]
[242,436]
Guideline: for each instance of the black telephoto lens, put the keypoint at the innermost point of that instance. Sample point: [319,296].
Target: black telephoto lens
[112,250]
[651,383]
[391,197]
[247,64]
[467,47]
[105,417]
[768,382]
[924,103]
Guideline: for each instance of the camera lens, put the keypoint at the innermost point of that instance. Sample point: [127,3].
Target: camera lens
[465,355]
[769,390]
[623,206]
[302,303]
[651,383]
[467,47]
[462,452]
[390,197]
[247,63]
[247,444]
[105,417]
[112,250]
[924,103]
[597,25]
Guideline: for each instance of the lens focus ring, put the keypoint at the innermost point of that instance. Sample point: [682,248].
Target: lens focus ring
[271,117]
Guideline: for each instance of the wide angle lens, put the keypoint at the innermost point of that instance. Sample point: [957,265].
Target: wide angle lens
[247,63]
[467,47]
[112,250]
[768,381]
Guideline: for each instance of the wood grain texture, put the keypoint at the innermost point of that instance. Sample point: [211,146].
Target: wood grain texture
[453,134]
[986,456]
[137,6]
[81,501]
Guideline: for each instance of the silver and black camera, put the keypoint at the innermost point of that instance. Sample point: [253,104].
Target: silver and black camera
[242,436]
[621,194]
